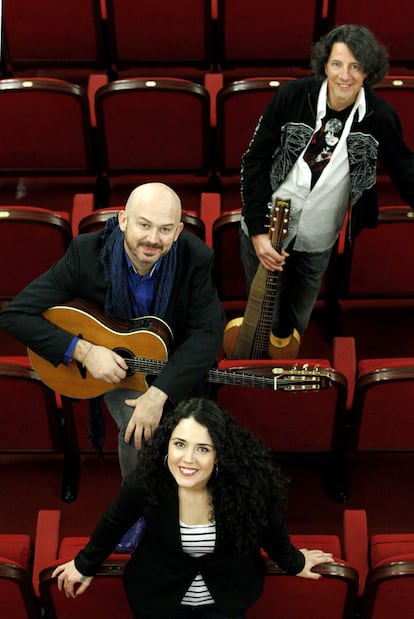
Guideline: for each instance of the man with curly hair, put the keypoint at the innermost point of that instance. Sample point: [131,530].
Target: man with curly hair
[294,155]
[209,492]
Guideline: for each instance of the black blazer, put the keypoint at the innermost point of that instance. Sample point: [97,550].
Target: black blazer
[159,572]
[194,311]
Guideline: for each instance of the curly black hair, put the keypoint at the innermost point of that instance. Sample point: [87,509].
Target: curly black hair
[371,54]
[246,478]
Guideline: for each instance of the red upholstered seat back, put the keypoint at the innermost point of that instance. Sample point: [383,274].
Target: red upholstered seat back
[106,596]
[17,547]
[366,274]
[239,106]
[24,398]
[39,35]
[289,596]
[279,33]
[170,33]
[229,274]
[31,240]
[385,548]
[398,90]
[17,599]
[391,26]
[389,590]
[45,128]
[384,395]
[159,125]
[285,420]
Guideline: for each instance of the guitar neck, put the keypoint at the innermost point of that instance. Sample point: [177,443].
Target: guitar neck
[280,379]
[260,342]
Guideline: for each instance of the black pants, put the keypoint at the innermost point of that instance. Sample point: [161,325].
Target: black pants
[206,612]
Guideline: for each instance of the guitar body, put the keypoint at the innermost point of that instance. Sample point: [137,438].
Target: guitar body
[231,336]
[284,347]
[147,337]
[144,343]
[278,348]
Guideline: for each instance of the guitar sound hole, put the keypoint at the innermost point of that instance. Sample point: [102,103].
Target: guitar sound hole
[127,355]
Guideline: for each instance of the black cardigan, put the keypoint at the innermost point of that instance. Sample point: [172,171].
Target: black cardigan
[292,111]
[194,312]
[159,572]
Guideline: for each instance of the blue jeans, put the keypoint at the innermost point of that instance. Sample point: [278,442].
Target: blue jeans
[121,413]
[299,285]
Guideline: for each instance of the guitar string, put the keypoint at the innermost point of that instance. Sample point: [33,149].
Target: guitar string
[306,378]
[262,335]
[261,341]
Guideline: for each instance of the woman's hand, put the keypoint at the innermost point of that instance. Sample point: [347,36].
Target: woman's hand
[68,577]
[312,558]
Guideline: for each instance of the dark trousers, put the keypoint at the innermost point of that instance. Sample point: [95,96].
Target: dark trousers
[298,285]
[206,612]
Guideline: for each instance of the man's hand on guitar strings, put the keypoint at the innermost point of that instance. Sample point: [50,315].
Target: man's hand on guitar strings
[103,364]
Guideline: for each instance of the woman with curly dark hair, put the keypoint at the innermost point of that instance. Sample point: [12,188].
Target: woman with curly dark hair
[209,492]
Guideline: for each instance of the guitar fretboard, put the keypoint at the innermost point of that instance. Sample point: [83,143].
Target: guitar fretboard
[286,380]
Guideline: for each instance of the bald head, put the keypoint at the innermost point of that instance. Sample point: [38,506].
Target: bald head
[156,195]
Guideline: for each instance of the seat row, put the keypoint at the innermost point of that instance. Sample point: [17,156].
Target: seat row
[191,109]
[358,272]
[200,35]
[190,134]
[336,407]
[371,577]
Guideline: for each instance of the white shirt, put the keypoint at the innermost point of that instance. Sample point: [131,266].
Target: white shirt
[317,215]
[196,541]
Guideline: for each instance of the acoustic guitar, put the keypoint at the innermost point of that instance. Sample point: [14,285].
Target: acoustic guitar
[251,336]
[144,343]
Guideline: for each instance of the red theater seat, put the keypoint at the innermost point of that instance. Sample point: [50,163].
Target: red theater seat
[48,117]
[391,24]
[104,598]
[17,596]
[383,399]
[389,589]
[25,398]
[239,106]
[228,268]
[376,295]
[39,36]
[338,587]
[275,35]
[295,419]
[175,37]
[155,129]
[332,596]
[31,240]
[398,90]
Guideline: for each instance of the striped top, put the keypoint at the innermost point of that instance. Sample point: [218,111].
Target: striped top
[198,540]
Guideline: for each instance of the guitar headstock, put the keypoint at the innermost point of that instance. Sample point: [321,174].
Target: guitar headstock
[302,378]
[279,222]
